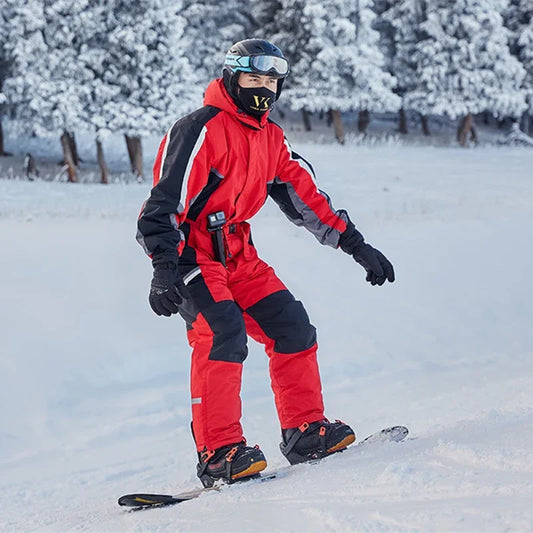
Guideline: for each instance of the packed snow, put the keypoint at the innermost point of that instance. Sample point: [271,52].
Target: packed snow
[94,398]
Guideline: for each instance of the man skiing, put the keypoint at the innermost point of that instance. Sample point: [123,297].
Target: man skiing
[213,171]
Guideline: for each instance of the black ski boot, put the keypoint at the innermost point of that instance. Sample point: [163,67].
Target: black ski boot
[234,462]
[315,441]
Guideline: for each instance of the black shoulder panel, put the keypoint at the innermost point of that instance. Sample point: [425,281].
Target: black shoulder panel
[183,137]
[156,230]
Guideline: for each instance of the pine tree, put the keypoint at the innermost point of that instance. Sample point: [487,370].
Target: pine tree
[94,55]
[525,41]
[518,18]
[114,65]
[464,65]
[383,25]
[211,29]
[338,65]
[21,40]
[5,62]
[267,18]
[48,86]
[401,33]
[142,80]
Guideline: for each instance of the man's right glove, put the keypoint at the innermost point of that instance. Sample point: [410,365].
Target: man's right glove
[167,291]
[378,267]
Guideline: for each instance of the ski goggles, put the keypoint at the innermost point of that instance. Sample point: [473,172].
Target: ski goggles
[273,65]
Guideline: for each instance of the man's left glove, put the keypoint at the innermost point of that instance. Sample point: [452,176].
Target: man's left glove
[167,291]
[378,267]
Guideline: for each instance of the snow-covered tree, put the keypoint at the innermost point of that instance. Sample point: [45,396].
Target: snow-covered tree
[143,60]
[212,28]
[266,16]
[141,78]
[48,86]
[525,41]
[464,65]
[340,65]
[21,40]
[114,65]
[518,17]
[400,34]
[5,63]
[384,27]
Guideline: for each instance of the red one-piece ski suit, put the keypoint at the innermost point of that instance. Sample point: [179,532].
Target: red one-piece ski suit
[220,159]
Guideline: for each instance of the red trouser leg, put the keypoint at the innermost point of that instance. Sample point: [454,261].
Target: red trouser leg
[274,318]
[217,335]
[297,387]
[295,381]
[215,390]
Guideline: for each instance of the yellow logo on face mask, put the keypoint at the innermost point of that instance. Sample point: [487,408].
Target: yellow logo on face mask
[262,103]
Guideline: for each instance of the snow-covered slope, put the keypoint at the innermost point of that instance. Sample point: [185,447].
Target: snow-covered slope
[94,396]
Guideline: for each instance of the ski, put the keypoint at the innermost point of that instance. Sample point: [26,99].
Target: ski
[139,501]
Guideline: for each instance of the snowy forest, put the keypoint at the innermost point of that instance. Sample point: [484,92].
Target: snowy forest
[129,69]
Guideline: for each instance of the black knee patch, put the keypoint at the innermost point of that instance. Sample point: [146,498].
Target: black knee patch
[229,332]
[284,320]
[224,318]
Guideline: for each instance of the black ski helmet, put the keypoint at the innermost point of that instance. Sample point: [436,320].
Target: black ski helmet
[254,55]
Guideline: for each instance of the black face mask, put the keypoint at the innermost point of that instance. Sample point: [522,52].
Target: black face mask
[255,101]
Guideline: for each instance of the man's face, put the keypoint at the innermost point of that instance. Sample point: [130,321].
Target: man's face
[251,79]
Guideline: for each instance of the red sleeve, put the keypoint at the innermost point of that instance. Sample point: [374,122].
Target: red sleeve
[296,192]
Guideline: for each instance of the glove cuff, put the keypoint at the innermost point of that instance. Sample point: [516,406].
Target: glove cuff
[165,261]
[350,239]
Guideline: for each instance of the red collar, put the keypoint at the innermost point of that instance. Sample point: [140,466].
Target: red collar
[217,96]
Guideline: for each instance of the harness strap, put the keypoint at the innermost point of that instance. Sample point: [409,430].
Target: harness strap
[295,437]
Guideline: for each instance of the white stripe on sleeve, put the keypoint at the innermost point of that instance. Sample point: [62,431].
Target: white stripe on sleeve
[185,184]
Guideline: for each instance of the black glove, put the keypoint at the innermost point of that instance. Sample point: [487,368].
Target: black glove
[167,290]
[378,267]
